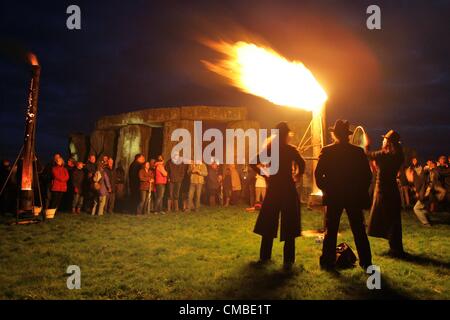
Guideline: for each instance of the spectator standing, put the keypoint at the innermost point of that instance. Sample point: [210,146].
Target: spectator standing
[89,194]
[67,200]
[443,170]
[185,185]
[420,207]
[160,181]
[248,179]
[77,178]
[120,183]
[105,160]
[197,172]
[134,181]
[47,176]
[112,175]
[176,171]
[260,188]
[227,186]
[102,187]
[416,166]
[60,176]
[213,183]
[298,180]
[236,186]
[434,190]
[8,195]
[404,188]
[146,180]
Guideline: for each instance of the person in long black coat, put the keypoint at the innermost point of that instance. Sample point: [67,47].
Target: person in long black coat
[385,214]
[343,174]
[134,181]
[281,199]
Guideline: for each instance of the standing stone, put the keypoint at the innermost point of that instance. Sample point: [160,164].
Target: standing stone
[169,127]
[133,139]
[103,142]
[78,146]
[206,113]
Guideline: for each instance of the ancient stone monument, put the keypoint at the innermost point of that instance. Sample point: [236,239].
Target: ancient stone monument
[149,132]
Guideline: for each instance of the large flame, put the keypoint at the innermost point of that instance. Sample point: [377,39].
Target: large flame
[265,73]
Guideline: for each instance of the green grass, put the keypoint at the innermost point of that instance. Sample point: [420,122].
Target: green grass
[205,255]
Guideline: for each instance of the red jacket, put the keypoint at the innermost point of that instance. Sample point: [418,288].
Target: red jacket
[60,177]
[161,173]
[146,179]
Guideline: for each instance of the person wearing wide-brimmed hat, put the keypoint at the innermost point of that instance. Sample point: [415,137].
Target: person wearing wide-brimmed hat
[385,214]
[281,199]
[344,176]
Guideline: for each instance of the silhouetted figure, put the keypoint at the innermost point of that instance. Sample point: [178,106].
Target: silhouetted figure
[120,187]
[8,196]
[134,181]
[343,174]
[89,192]
[176,170]
[281,198]
[385,214]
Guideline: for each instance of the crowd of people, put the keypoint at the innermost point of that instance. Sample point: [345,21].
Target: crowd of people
[98,186]
[426,188]
[159,186]
[350,177]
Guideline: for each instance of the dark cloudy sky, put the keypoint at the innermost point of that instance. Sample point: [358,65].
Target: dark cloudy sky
[135,54]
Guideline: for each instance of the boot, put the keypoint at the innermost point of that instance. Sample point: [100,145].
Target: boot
[78,210]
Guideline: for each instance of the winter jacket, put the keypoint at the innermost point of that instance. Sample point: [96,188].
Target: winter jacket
[161,173]
[102,178]
[112,176]
[235,179]
[60,177]
[198,173]
[146,179]
[90,169]
[78,176]
[133,177]
[176,171]
[212,180]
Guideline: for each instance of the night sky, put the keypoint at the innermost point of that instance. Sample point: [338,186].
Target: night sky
[134,54]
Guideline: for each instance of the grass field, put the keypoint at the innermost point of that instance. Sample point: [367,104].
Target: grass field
[206,255]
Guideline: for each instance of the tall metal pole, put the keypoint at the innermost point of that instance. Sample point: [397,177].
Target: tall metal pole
[317,141]
[28,153]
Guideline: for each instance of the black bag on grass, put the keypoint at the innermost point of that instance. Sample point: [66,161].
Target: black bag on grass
[345,258]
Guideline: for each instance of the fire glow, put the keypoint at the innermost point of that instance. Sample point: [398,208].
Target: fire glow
[264,73]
